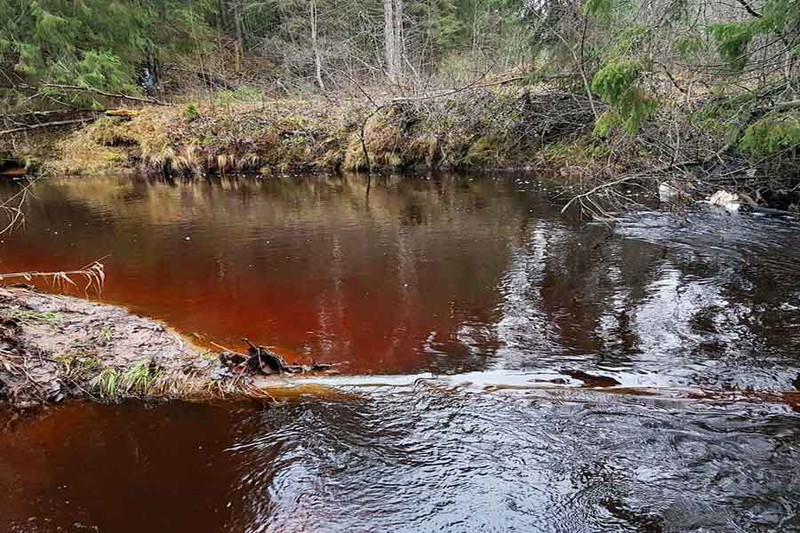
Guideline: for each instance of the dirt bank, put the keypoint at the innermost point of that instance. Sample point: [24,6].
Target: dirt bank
[56,347]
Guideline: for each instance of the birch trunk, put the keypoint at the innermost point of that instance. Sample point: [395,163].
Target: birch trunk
[393,38]
[315,45]
[388,37]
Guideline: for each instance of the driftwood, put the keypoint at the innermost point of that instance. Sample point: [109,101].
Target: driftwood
[123,113]
[262,360]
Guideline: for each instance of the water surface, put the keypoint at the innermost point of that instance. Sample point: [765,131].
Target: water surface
[478,331]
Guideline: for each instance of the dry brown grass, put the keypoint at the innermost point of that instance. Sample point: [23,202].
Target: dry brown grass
[233,132]
[81,154]
[93,276]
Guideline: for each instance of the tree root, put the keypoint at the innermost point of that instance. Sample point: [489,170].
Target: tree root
[262,360]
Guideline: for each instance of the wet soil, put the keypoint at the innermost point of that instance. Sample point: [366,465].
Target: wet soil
[56,347]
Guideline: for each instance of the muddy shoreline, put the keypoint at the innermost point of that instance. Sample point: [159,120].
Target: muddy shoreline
[55,347]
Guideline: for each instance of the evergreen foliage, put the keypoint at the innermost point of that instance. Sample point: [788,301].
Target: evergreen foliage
[95,43]
[617,83]
[629,54]
[772,134]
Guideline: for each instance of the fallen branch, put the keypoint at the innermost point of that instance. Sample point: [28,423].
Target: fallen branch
[78,88]
[262,360]
[46,113]
[595,190]
[451,92]
[55,124]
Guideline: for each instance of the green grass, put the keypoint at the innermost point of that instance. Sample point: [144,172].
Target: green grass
[79,367]
[107,382]
[106,333]
[47,317]
[113,383]
[138,378]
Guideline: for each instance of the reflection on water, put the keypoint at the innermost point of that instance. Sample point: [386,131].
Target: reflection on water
[449,275]
[418,458]
[308,265]
[480,277]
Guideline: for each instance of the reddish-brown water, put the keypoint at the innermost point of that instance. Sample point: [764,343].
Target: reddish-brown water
[309,265]
[478,282]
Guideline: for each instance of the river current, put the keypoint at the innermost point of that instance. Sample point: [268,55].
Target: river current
[503,367]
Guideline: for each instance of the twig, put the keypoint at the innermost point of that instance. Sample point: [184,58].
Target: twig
[55,124]
[586,195]
[15,213]
[457,90]
[78,88]
[749,9]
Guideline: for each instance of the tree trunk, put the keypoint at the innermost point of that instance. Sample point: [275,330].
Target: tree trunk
[315,45]
[399,40]
[388,37]
[221,22]
[393,38]
[237,20]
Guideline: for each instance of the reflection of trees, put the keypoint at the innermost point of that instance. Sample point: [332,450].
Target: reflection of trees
[425,273]
[690,313]
[306,263]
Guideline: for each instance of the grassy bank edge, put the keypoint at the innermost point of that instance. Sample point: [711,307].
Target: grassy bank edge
[59,347]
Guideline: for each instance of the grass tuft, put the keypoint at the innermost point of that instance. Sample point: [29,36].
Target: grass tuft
[139,378]
[46,317]
[107,382]
[79,367]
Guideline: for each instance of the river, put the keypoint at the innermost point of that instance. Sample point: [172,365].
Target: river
[504,367]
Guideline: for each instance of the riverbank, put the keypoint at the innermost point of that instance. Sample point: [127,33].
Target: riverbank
[503,128]
[58,347]
[552,131]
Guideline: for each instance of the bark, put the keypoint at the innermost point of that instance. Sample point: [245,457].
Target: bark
[399,39]
[315,45]
[388,37]
[582,65]
[237,19]
[393,38]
